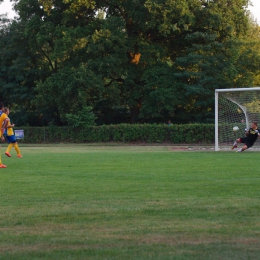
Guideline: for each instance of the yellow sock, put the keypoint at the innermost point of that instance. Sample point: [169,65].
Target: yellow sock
[16,148]
[9,147]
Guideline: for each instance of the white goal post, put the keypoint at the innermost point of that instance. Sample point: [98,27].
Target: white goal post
[235,107]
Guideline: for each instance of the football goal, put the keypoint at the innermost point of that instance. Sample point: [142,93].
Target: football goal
[235,107]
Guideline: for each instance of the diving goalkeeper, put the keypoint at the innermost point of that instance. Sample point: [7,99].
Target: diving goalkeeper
[250,138]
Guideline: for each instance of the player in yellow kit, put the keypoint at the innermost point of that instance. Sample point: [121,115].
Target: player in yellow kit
[3,118]
[9,132]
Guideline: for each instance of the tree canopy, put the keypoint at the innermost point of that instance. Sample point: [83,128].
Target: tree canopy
[145,61]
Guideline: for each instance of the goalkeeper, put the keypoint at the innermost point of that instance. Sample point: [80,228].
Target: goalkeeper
[250,138]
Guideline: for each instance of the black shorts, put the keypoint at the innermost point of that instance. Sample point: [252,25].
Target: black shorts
[248,143]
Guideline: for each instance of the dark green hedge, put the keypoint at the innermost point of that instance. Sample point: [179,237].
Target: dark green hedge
[150,133]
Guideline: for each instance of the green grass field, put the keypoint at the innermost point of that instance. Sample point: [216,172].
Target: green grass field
[129,202]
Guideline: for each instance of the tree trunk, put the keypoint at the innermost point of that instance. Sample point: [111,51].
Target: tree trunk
[135,112]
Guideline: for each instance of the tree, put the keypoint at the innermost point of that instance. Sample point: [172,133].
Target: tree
[60,43]
[19,69]
[205,47]
[82,118]
[131,61]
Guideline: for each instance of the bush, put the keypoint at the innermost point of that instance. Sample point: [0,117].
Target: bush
[150,133]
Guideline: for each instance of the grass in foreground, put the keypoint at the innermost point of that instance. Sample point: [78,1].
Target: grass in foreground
[81,202]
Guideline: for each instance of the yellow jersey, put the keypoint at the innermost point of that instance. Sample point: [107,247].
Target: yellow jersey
[9,130]
[2,119]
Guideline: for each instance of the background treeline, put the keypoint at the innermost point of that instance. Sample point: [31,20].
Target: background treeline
[138,133]
[124,61]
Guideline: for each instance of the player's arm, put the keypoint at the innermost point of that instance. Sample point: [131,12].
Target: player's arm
[4,117]
[2,136]
[246,132]
[4,125]
[10,126]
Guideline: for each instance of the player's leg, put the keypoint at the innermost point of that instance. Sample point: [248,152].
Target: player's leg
[238,140]
[243,148]
[10,145]
[16,147]
[8,149]
[247,145]
[1,164]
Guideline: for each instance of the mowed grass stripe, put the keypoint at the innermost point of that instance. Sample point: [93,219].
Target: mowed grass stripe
[82,202]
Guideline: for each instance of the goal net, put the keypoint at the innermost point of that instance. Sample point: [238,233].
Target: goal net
[235,107]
